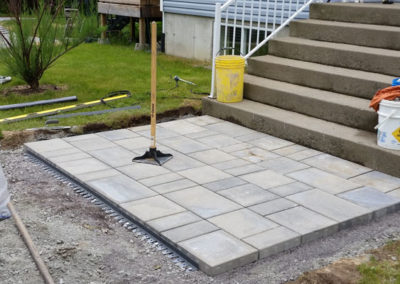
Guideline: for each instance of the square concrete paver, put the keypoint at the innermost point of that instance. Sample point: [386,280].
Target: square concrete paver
[120,188]
[267,179]
[229,195]
[218,252]
[274,241]
[309,224]
[152,208]
[242,223]
[323,180]
[204,174]
[203,202]
[247,194]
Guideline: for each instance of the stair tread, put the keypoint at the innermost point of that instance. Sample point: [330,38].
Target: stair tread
[312,93]
[340,71]
[373,51]
[312,124]
[371,27]
[366,5]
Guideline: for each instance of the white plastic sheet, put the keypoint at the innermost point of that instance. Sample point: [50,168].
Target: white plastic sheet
[4,197]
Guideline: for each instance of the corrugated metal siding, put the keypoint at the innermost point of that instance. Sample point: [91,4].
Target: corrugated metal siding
[206,8]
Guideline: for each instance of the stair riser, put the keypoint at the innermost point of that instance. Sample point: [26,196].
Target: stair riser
[342,114]
[316,79]
[375,158]
[360,13]
[357,60]
[348,35]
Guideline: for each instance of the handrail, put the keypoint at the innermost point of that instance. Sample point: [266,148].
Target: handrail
[265,18]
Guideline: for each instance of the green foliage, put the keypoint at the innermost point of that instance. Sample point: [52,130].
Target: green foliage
[40,38]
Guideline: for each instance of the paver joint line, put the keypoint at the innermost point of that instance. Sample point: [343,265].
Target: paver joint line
[231,195]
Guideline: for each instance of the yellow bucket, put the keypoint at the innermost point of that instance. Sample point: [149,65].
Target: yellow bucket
[229,78]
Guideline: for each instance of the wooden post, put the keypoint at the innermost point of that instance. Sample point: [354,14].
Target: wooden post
[103,23]
[153,83]
[133,29]
[142,31]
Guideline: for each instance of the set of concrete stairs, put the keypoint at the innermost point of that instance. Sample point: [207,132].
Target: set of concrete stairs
[314,87]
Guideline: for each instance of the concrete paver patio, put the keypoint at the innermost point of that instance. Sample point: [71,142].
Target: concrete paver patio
[230,195]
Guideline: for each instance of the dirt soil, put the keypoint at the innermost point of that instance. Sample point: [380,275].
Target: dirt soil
[26,90]
[80,244]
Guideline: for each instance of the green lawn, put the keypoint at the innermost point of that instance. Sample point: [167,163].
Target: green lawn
[91,71]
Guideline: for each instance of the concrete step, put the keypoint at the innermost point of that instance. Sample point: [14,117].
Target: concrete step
[342,109]
[363,13]
[335,79]
[369,59]
[387,37]
[351,144]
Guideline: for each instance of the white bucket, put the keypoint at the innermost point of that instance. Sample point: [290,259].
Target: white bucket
[389,124]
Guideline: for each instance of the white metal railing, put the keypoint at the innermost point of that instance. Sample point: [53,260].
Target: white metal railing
[247,25]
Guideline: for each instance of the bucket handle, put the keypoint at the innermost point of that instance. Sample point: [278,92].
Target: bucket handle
[227,48]
[384,120]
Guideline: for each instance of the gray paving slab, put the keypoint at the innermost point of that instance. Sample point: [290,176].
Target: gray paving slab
[49,145]
[274,241]
[212,156]
[230,129]
[92,143]
[395,193]
[329,205]
[161,133]
[370,198]
[283,165]
[182,126]
[224,183]
[173,221]
[252,136]
[134,143]
[289,150]
[291,188]
[242,223]
[141,171]
[119,134]
[218,141]
[273,206]
[301,155]
[255,155]
[173,186]
[323,180]
[160,179]
[71,150]
[309,224]
[203,202]
[97,175]
[71,157]
[270,143]
[86,165]
[267,179]
[205,174]
[246,169]
[113,156]
[152,208]
[218,252]
[336,166]
[120,188]
[203,120]
[231,164]
[181,162]
[247,194]
[378,180]
[190,231]
[201,134]
[185,145]
[236,147]
[80,137]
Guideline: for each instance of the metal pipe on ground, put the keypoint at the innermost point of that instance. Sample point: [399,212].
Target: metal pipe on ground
[38,103]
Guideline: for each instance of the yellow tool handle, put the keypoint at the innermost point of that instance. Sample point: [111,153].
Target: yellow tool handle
[153,83]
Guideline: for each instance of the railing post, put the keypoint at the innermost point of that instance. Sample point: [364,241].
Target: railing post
[216,46]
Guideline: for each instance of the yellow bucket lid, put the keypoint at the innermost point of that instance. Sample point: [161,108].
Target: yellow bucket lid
[230,61]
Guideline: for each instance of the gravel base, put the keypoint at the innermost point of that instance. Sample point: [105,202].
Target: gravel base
[80,244]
